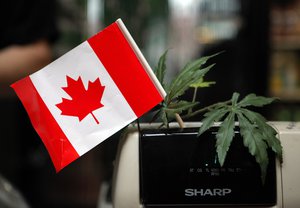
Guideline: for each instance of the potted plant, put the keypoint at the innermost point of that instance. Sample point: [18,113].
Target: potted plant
[214,149]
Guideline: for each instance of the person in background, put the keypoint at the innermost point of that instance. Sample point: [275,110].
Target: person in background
[28,31]
[17,61]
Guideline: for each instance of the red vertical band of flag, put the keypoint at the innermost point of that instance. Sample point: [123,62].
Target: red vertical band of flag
[122,64]
[60,149]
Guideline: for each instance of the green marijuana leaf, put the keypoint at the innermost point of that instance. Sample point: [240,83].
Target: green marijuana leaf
[224,137]
[191,75]
[252,138]
[160,70]
[257,134]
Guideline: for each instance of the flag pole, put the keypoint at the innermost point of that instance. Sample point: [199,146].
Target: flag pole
[141,57]
[138,125]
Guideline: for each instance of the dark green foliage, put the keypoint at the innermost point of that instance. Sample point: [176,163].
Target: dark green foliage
[258,136]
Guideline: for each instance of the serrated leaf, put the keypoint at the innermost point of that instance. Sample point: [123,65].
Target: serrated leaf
[192,66]
[179,106]
[164,118]
[178,87]
[253,100]
[187,76]
[273,141]
[160,70]
[190,74]
[252,139]
[210,118]
[235,98]
[201,83]
[224,137]
[268,133]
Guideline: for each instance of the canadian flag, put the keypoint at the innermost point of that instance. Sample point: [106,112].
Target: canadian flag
[88,94]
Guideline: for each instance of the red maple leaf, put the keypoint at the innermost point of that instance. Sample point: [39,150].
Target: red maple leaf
[83,101]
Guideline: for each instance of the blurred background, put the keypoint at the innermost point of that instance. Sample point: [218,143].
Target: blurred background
[261,44]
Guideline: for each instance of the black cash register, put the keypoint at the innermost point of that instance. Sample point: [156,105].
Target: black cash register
[179,169]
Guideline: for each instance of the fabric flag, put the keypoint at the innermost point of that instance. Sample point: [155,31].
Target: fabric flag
[88,94]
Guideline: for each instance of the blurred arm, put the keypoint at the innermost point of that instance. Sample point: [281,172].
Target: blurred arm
[19,61]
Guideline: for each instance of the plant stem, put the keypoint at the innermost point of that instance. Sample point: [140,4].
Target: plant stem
[194,99]
[179,121]
[195,94]
[168,125]
[205,109]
